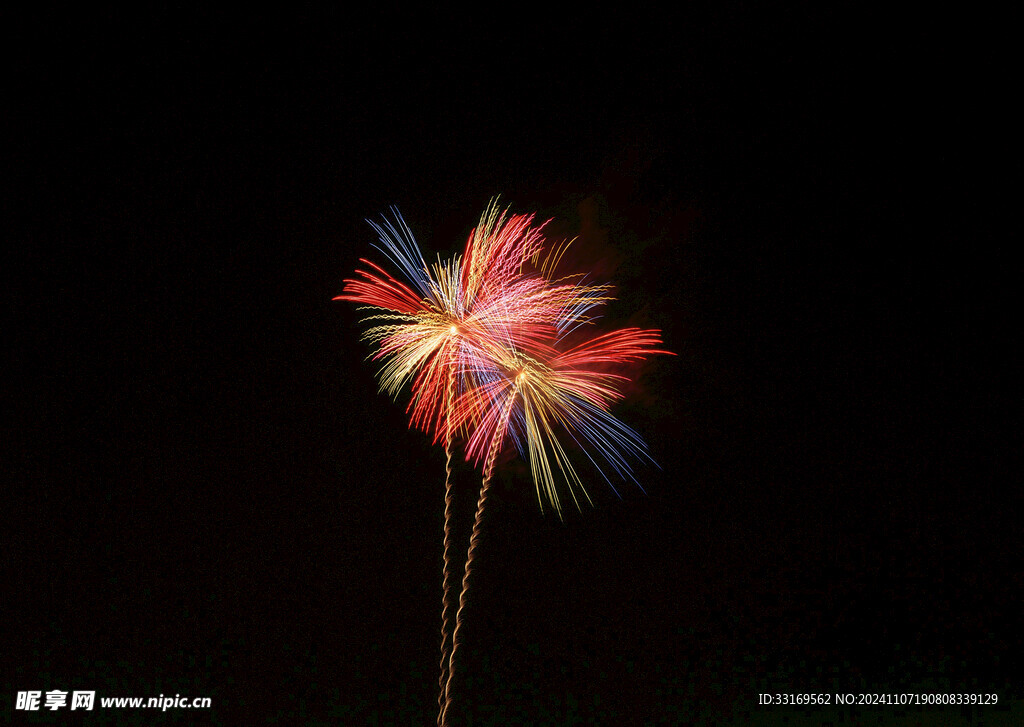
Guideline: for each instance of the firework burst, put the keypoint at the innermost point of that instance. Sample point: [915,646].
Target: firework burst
[482,343]
[454,318]
[536,402]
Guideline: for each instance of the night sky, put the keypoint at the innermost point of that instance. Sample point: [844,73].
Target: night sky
[206,495]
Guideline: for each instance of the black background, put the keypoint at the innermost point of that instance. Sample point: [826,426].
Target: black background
[207,496]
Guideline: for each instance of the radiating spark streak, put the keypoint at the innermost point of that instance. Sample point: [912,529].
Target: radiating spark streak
[399,246]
